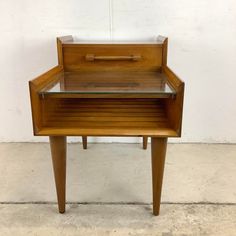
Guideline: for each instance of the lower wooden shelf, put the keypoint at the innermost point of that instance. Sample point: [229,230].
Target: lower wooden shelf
[56,131]
[105,117]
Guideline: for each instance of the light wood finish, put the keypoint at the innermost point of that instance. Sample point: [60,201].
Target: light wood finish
[145,142]
[74,57]
[158,148]
[164,42]
[113,132]
[58,151]
[60,41]
[116,100]
[35,87]
[174,107]
[84,141]
[106,116]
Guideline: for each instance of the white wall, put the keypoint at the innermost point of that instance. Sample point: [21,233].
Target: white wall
[202,51]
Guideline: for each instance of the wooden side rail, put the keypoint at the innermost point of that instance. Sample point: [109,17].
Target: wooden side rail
[35,86]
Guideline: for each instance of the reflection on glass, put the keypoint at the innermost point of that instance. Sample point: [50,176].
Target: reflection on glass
[111,82]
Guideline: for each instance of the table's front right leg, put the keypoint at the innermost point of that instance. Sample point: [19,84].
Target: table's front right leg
[158,148]
[58,151]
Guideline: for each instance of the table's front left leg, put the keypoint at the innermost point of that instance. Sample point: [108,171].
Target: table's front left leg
[58,151]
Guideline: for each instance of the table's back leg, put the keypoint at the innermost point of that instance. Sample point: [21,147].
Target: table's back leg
[145,142]
[58,151]
[84,141]
[158,163]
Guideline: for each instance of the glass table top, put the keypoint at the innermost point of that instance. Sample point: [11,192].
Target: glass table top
[110,82]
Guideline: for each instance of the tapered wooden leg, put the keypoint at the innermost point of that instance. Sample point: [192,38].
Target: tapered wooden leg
[158,162]
[58,151]
[145,142]
[84,141]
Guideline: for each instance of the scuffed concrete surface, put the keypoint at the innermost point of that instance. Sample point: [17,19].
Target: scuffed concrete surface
[119,173]
[102,220]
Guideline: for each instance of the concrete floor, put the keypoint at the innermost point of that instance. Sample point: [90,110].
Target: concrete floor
[109,191]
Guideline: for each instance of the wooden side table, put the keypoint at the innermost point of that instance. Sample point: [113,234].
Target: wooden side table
[108,89]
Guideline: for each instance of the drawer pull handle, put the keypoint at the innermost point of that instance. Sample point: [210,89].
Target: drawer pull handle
[92,57]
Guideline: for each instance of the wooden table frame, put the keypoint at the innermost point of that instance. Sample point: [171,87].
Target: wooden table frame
[58,115]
